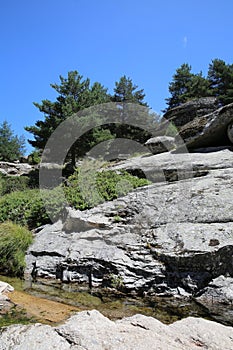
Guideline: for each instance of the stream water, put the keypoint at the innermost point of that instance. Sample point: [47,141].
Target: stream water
[109,304]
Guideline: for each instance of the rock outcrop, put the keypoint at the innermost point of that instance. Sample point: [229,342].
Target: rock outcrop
[170,238]
[191,110]
[90,330]
[5,287]
[212,129]
[199,123]
[15,169]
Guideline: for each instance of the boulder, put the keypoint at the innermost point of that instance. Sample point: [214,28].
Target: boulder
[5,287]
[5,304]
[212,129]
[91,330]
[160,144]
[190,110]
[217,298]
[219,290]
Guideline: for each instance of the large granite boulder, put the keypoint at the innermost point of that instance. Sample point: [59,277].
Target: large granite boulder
[187,112]
[212,129]
[217,298]
[170,236]
[90,330]
[190,110]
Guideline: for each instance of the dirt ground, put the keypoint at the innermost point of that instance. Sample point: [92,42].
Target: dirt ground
[45,311]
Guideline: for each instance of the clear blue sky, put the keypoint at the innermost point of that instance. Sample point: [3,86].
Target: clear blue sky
[146,40]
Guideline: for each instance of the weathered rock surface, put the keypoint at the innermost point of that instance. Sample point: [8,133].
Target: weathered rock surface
[15,169]
[90,330]
[38,337]
[208,130]
[160,144]
[5,304]
[217,297]
[172,166]
[165,238]
[190,110]
[5,287]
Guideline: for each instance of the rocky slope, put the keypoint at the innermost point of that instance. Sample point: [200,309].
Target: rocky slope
[90,330]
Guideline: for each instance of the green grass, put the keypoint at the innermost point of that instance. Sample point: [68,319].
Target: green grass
[14,241]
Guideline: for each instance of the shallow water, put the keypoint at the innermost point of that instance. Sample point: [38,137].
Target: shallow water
[109,304]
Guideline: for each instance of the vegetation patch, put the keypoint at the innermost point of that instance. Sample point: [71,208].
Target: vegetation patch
[88,189]
[33,208]
[14,241]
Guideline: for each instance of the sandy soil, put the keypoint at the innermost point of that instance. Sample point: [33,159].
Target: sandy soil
[45,311]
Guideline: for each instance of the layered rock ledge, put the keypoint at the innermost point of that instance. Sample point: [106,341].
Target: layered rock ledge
[170,238]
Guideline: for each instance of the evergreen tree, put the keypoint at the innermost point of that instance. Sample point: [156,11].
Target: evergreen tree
[12,147]
[186,86]
[74,95]
[127,92]
[180,86]
[220,76]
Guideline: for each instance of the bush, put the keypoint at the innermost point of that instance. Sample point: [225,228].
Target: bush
[14,241]
[10,184]
[28,209]
[34,158]
[25,208]
[89,188]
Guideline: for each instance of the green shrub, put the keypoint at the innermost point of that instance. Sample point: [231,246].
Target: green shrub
[34,158]
[88,189]
[14,241]
[10,184]
[33,208]
[27,208]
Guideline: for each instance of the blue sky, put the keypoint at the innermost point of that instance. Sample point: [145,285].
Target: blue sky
[104,39]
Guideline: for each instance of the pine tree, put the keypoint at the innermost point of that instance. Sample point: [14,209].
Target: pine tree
[74,95]
[220,76]
[125,92]
[186,86]
[12,147]
[180,86]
